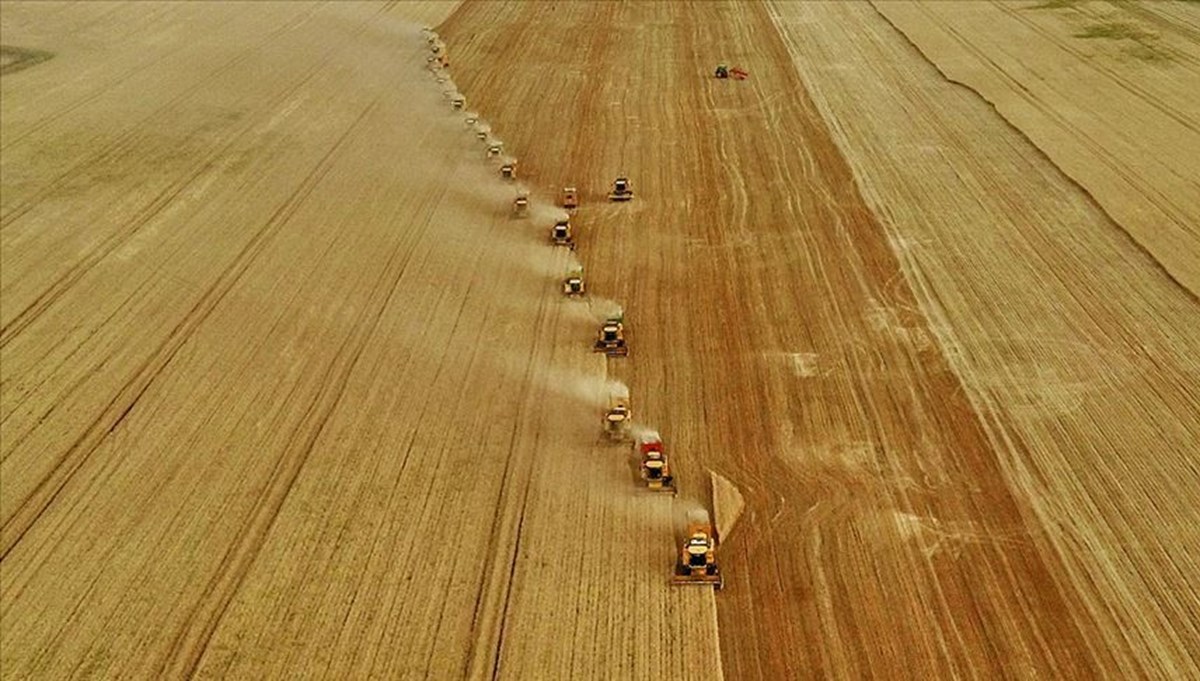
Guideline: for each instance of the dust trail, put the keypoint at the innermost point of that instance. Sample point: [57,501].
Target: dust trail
[581,389]
[593,312]
[644,433]
[547,214]
[617,389]
[604,308]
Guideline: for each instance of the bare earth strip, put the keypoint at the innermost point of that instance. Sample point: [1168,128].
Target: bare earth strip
[1078,353]
[909,514]
[1110,91]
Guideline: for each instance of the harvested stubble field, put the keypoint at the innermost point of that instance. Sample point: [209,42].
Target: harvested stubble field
[284,390]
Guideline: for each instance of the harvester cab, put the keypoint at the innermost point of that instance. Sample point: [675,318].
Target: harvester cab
[656,471]
[560,234]
[697,562]
[481,135]
[570,198]
[495,149]
[509,170]
[621,191]
[458,102]
[611,339]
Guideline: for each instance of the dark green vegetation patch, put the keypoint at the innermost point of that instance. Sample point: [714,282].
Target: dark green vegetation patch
[1145,43]
[1054,4]
[17,58]
[1114,30]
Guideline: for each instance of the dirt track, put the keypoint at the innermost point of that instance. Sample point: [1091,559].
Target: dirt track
[284,387]
[1106,89]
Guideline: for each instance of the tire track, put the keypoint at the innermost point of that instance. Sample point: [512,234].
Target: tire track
[123,145]
[1051,460]
[1117,79]
[751,279]
[151,210]
[45,121]
[1097,148]
[492,605]
[119,407]
[1097,151]
[189,646]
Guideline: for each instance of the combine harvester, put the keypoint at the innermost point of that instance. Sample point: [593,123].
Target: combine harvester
[573,284]
[569,198]
[655,471]
[622,190]
[611,339]
[616,419]
[520,208]
[697,562]
[560,234]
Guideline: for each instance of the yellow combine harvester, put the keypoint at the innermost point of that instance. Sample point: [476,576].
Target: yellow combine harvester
[616,419]
[655,469]
[611,339]
[697,562]
[560,234]
[573,284]
[621,191]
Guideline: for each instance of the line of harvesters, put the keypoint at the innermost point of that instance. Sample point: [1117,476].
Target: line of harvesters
[696,561]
